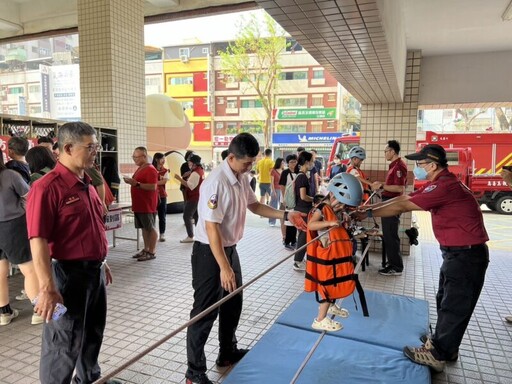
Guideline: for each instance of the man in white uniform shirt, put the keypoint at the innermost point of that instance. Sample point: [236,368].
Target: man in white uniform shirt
[224,198]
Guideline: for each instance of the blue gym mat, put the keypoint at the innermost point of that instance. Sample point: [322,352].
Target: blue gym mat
[367,350]
[394,322]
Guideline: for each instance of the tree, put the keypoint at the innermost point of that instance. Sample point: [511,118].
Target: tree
[468,115]
[253,58]
[502,118]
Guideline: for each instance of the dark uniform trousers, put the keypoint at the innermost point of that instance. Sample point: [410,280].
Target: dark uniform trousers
[207,291]
[392,240]
[461,280]
[74,341]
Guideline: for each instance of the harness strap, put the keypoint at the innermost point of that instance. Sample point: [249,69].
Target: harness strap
[336,261]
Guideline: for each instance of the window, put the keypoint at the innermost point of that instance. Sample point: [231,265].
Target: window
[330,124]
[232,128]
[316,127]
[185,80]
[299,75]
[187,105]
[34,88]
[251,104]
[184,52]
[251,128]
[219,125]
[318,74]
[16,91]
[291,128]
[152,81]
[292,102]
[317,101]
[220,100]
[33,109]
[331,97]
[205,51]
[231,104]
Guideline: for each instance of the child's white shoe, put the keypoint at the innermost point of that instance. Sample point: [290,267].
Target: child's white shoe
[327,324]
[336,310]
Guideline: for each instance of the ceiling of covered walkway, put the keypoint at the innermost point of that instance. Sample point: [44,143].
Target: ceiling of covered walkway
[363,43]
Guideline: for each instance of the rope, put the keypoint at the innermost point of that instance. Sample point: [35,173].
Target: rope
[199,316]
[320,338]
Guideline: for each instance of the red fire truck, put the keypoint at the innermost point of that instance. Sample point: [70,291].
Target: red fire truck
[476,158]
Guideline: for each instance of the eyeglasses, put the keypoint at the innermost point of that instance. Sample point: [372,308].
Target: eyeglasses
[420,164]
[92,147]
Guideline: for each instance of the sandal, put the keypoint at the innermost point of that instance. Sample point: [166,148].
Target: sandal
[327,324]
[139,254]
[336,310]
[147,256]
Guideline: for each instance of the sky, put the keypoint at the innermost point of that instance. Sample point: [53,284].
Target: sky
[206,29]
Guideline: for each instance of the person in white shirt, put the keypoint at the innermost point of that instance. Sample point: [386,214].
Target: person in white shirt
[224,198]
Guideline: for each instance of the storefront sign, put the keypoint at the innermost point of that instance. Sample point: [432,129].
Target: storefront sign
[304,138]
[222,141]
[306,114]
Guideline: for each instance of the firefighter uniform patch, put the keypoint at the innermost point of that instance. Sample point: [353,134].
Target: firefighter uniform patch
[213,202]
[430,188]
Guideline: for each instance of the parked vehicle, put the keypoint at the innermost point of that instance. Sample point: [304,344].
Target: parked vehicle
[477,159]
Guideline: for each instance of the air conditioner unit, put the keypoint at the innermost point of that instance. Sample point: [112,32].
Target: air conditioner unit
[184,58]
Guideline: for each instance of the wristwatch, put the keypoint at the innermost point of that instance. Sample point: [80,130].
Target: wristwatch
[285,217]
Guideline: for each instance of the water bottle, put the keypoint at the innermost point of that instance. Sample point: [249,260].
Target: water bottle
[59,310]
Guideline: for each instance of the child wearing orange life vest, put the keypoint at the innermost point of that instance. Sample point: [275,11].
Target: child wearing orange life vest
[330,270]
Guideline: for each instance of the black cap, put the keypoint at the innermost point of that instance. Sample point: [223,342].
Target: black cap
[195,159]
[433,152]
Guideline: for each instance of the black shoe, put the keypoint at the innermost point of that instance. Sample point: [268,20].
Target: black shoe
[227,359]
[200,378]
[427,342]
[390,271]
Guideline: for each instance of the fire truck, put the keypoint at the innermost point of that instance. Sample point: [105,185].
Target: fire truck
[476,158]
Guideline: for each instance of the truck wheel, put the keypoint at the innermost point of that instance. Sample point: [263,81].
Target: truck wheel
[491,206]
[504,205]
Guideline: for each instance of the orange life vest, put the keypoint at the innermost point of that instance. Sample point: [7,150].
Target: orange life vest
[330,270]
[366,194]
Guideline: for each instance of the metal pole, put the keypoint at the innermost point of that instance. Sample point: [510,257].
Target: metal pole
[137,357]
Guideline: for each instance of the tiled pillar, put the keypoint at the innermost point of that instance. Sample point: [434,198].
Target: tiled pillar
[395,121]
[111,43]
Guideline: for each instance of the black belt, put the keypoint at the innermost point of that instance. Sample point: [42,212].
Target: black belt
[461,248]
[208,245]
[86,264]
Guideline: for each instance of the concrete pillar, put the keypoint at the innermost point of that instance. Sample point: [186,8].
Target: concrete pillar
[111,43]
[395,121]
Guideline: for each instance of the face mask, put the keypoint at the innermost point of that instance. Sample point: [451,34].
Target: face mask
[420,173]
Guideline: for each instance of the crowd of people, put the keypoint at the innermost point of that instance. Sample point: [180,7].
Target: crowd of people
[45,189]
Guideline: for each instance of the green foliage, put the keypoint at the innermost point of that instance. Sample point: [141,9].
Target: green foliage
[254,59]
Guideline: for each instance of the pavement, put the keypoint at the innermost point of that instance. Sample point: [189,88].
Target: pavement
[148,300]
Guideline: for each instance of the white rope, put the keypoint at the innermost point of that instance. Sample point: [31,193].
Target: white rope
[199,316]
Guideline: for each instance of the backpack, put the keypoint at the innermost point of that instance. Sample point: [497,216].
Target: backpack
[289,194]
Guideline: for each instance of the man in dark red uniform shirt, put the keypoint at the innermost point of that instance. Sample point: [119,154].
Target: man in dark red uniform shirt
[459,227]
[65,223]
[394,186]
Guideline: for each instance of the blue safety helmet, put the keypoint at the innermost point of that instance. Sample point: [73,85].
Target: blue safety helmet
[358,152]
[347,189]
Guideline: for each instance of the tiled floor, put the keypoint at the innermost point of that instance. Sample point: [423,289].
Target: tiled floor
[150,299]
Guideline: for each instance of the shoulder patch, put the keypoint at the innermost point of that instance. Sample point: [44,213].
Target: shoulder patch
[430,188]
[399,174]
[213,201]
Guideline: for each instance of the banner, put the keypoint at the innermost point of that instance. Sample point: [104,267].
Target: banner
[306,114]
[45,90]
[304,138]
